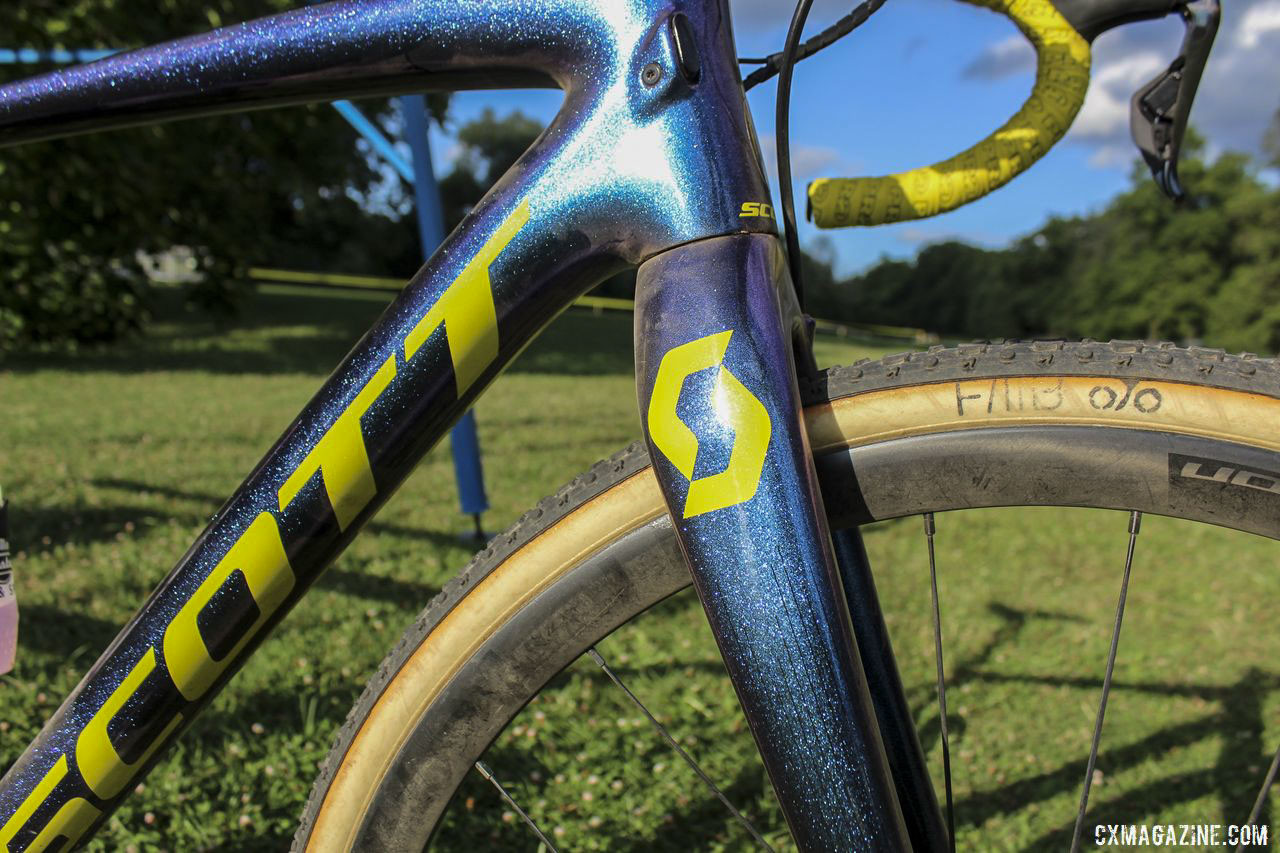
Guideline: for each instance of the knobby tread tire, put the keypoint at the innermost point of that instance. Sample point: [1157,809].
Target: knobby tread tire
[1118,359]
[987,360]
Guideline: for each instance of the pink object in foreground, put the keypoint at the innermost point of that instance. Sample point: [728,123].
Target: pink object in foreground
[8,602]
[8,631]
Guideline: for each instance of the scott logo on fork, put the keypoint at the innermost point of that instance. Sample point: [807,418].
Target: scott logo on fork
[735,407]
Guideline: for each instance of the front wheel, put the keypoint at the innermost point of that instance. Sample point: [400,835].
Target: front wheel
[1189,434]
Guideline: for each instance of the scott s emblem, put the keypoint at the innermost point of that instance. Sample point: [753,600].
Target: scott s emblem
[735,407]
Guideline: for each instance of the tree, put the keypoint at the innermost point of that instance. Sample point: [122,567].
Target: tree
[1154,270]
[1245,313]
[1271,141]
[490,146]
[75,212]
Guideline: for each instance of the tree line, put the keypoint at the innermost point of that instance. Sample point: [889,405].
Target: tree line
[1207,270]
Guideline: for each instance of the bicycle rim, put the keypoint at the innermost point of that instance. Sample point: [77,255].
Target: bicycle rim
[1165,431]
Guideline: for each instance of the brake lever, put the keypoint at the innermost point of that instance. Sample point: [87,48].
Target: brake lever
[1158,111]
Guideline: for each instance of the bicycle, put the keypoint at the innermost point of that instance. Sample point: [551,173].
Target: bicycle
[729,487]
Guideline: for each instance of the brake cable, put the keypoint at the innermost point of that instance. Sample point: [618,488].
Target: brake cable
[841,28]
[783,64]
[782,134]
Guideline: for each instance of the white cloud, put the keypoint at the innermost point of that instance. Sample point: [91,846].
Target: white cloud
[807,161]
[1009,56]
[1238,95]
[1105,114]
[1256,23]
[1112,155]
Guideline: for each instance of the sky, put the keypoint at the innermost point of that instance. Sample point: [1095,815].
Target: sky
[923,80]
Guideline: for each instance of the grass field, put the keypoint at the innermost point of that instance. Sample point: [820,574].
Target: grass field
[115,460]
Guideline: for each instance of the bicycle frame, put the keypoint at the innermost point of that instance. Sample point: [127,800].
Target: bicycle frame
[657,169]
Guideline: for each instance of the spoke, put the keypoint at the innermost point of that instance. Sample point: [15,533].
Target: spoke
[688,759]
[942,681]
[1135,522]
[1262,794]
[487,773]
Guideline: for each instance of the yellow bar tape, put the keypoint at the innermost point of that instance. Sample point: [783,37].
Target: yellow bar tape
[1062,78]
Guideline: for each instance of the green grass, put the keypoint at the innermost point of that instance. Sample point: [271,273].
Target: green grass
[114,460]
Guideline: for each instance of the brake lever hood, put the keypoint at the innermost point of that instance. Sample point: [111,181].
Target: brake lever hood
[1159,110]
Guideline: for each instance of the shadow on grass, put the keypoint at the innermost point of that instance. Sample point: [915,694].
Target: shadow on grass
[1238,721]
[1234,780]
[580,343]
[281,711]
[210,502]
[469,814]
[309,334]
[65,637]
[378,588]
[705,810]
[272,334]
[83,527]
[31,526]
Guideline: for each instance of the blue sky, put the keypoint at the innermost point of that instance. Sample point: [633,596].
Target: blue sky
[924,79]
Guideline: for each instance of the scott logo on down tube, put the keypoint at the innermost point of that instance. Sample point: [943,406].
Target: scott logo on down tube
[735,407]
[202,640]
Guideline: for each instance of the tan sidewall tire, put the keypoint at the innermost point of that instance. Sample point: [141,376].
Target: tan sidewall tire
[542,555]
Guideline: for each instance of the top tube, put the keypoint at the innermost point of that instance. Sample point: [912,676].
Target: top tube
[344,49]
[684,141]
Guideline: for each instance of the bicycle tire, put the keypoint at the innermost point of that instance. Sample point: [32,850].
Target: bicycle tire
[921,434]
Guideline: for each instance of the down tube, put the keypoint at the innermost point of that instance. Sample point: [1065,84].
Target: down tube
[469,311]
[722,417]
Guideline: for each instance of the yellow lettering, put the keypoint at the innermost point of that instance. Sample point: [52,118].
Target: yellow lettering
[755,208]
[341,458]
[259,555]
[467,311]
[70,822]
[104,771]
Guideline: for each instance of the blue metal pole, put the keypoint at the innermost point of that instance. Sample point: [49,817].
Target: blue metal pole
[28,56]
[380,143]
[464,440]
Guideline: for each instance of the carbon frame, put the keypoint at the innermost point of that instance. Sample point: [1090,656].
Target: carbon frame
[641,167]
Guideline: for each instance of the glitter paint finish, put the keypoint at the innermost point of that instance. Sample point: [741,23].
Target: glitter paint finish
[322,52]
[763,567]
[625,171]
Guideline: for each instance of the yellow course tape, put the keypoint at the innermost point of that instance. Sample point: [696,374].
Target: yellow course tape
[1062,77]
[330,279]
[301,283]
[269,277]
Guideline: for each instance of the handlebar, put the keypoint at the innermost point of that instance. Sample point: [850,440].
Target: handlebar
[1062,78]
[1061,32]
